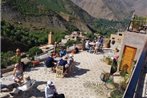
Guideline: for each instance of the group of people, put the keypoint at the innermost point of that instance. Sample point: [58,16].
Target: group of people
[18,68]
[65,61]
[95,45]
[25,82]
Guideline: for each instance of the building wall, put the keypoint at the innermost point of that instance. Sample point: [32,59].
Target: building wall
[135,88]
[135,40]
[118,38]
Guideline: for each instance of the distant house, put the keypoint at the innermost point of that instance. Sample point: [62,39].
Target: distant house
[75,35]
[116,40]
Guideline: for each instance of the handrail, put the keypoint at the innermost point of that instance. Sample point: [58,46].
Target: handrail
[130,90]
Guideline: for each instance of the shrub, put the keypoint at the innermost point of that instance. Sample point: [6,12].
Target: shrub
[6,58]
[59,36]
[116,94]
[33,51]
[71,42]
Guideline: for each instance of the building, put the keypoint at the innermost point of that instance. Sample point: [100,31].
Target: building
[118,39]
[133,54]
[132,47]
[73,36]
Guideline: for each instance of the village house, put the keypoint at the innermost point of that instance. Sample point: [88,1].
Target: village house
[132,46]
[75,35]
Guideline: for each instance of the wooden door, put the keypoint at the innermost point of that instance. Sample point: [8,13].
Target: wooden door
[128,58]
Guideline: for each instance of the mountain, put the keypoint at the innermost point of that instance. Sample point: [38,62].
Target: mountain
[113,9]
[54,15]
[26,23]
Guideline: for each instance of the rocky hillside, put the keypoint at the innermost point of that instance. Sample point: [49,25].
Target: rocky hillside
[113,9]
[55,15]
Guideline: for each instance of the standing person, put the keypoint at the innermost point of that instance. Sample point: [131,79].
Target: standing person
[87,46]
[18,72]
[96,47]
[114,63]
[101,40]
[50,90]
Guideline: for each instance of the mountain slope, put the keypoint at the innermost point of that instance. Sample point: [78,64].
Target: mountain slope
[113,9]
[45,14]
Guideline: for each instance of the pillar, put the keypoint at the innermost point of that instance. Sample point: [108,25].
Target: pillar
[50,40]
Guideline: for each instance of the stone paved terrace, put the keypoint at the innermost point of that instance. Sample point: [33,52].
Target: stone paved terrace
[87,71]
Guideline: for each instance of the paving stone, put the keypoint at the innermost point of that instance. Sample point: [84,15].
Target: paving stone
[89,69]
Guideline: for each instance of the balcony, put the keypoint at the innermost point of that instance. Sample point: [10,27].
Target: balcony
[138,25]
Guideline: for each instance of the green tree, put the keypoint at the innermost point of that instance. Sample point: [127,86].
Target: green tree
[6,58]
[59,36]
[33,51]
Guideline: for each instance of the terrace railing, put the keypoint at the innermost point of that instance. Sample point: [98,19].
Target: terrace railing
[136,74]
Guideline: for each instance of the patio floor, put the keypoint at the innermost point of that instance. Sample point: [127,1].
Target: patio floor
[84,82]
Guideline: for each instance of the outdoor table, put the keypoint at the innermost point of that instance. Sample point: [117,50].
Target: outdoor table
[92,43]
[57,58]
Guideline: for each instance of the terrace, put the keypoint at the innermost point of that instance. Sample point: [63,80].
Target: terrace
[86,72]
[138,25]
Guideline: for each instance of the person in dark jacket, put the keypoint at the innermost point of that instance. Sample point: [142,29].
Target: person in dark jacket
[63,62]
[50,62]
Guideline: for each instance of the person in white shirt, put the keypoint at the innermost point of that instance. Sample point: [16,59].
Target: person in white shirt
[27,84]
[87,45]
[97,44]
[50,90]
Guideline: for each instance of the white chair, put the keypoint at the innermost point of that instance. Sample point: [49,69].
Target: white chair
[28,90]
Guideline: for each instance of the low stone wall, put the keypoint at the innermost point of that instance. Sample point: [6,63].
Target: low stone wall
[8,69]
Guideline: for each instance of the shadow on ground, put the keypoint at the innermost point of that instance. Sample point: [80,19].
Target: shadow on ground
[79,71]
[34,92]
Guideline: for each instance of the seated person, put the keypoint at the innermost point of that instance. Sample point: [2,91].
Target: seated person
[76,50]
[50,90]
[63,62]
[18,72]
[54,54]
[62,52]
[87,46]
[70,61]
[27,83]
[50,62]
